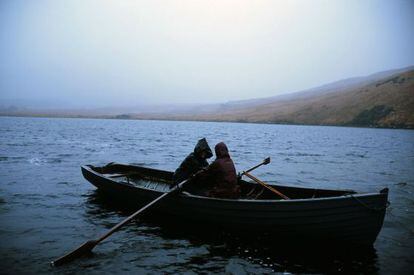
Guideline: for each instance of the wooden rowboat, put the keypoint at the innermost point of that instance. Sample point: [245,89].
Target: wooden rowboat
[317,215]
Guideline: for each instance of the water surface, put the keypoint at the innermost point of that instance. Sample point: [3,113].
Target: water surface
[47,208]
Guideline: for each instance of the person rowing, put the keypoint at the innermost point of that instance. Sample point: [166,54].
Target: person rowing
[194,162]
[220,176]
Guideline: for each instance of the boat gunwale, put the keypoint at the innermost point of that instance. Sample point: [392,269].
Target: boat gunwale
[189,195]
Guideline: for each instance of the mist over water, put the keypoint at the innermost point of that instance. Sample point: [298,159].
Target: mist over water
[47,208]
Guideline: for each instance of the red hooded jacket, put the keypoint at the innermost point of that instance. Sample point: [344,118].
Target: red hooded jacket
[221,175]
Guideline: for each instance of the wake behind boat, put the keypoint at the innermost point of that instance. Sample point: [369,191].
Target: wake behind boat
[316,215]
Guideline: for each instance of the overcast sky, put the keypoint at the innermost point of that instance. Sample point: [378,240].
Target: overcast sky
[103,53]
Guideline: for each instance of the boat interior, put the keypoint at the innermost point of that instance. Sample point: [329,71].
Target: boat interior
[160,180]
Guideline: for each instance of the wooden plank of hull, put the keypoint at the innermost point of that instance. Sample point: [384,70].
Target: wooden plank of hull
[340,218]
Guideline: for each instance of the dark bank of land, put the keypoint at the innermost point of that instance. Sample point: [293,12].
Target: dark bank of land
[383,100]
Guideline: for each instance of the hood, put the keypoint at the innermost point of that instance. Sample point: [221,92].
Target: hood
[221,150]
[201,146]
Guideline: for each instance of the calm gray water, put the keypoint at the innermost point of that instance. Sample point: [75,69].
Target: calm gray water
[47,208]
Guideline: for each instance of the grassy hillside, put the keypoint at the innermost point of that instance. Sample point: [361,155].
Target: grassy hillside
[386,100]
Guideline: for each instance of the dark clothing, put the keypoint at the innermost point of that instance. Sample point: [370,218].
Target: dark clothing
[190,165]
[221,175]
[193,162]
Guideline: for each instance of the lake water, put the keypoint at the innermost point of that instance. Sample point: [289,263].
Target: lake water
[47,208]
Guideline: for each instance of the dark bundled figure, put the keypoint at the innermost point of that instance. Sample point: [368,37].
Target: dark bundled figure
[221,175]
[194,162]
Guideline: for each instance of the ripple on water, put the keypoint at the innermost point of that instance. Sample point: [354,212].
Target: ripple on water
[62,205]
[36,161]
[63,183]
[355,154]
[66,155]
[28,196]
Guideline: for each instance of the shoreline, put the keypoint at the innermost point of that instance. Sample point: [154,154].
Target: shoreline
[114,117]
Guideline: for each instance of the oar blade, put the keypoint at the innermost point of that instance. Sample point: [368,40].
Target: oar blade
[266,161]
[82,250]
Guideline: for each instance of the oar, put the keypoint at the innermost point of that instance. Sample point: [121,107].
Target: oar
[89,245]
[267,186]
[265,161]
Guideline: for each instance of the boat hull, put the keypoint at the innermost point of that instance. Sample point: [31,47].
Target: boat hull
[354,219]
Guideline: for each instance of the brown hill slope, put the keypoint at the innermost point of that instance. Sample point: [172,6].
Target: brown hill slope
[384,99]
[373,102]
